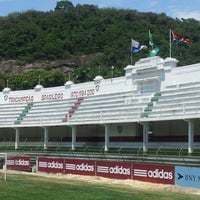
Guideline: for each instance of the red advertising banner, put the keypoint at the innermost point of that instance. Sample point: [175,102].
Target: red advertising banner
[154,173]
[19,163]
[51,165]
[113,169]
[80,167]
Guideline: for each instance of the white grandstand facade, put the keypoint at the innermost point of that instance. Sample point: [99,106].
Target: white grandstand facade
[155,105]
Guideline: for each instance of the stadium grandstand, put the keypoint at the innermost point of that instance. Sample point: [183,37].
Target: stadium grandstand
[154,105]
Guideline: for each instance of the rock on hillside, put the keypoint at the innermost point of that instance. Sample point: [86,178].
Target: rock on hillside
[64,65]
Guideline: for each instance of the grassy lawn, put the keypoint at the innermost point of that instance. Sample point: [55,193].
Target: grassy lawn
[37,188]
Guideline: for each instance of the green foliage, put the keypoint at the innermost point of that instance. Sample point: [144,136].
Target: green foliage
[86,29]
[64,5]
[31,78]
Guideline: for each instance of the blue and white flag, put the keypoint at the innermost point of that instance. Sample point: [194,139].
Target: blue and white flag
[136,46]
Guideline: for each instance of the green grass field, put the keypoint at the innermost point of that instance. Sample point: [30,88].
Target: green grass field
[37,188]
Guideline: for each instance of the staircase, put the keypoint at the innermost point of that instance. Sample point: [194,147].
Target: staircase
[24,113]
[150,105]
[73,109]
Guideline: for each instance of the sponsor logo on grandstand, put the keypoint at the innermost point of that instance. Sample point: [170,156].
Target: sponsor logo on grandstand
[5,97]
[83,167]
[51,97]
[20,99]
[22,162]
[110,169]
[114,170]
[153,173]
[187,176]
[51,165]
[180,176]
[97,87]
[84,92]
[19,163]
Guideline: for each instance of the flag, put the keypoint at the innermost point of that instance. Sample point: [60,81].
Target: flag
[154,52]
[136,46]
[179,38]
[151,39]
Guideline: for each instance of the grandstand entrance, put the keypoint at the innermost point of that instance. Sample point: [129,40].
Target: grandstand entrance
[168,131]
[7,138]
[91,136]
[174,134]
[109,136]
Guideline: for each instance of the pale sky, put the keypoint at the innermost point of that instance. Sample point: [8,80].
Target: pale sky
[173,8]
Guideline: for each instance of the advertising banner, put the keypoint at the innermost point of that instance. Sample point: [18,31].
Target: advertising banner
[187,176]
[113,169]
[153,173]
[80,167]
[51,165]
[19,163]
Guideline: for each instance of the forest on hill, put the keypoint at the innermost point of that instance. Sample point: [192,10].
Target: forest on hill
[88,40]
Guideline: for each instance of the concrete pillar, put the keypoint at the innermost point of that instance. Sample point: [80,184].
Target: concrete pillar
[145,136]
[107,140]
[46,138]
[190,135]
[17,132]
[74,129]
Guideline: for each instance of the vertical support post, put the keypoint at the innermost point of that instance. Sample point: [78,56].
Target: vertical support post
[74,129]
[170,43]
[46,138]
[36,167]
[131,55]
[107,140]
[145,136]
[5,167]
[190,136]
[17,132]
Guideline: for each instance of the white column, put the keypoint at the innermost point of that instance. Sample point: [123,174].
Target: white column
[145,136]
[17,138]
[74,129]
[190,136]
[46,138]
[107,129]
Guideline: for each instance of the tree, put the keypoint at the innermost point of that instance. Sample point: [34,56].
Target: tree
[79,33]
[64,5]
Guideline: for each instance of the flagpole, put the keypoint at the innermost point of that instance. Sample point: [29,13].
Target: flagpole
[170,43]
[131,53]
[151,40]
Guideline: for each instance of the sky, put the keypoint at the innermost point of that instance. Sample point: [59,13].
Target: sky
[174,8]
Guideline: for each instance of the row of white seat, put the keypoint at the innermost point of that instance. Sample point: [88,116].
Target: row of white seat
[42,112]
[112,116]
[176,90]
[10,112]
[112,108]
[185,101]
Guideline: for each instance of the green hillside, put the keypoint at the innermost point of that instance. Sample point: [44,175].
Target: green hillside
[73,31]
